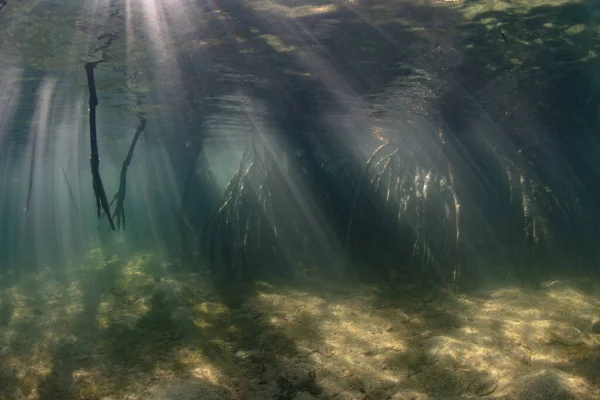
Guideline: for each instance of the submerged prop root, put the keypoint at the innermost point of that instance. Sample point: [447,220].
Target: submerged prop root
[119,197]
[366,168]
[236,228]
[99,193]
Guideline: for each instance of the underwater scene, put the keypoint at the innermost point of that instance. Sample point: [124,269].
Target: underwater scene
[299,199]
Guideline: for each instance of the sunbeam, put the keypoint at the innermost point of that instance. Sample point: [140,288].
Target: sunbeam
[285,199]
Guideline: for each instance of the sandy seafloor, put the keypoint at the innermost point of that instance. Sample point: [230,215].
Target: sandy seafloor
[143,328]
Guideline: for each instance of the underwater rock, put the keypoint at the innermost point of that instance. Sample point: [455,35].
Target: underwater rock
[567,336]
[309,384]
[164,294]
[482,385]
[182,317]
[548,384]
[141,305]
[596,328]
[243,355]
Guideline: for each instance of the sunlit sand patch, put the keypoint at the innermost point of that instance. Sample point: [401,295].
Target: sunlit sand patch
[504,342]
[323,9]
[500,347]
[473,9]
[294,12]
[277,44]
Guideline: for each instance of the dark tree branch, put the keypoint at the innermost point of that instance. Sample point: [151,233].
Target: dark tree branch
[99,193]
[119,197]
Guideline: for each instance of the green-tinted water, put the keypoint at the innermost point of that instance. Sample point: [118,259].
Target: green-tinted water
[299,199]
